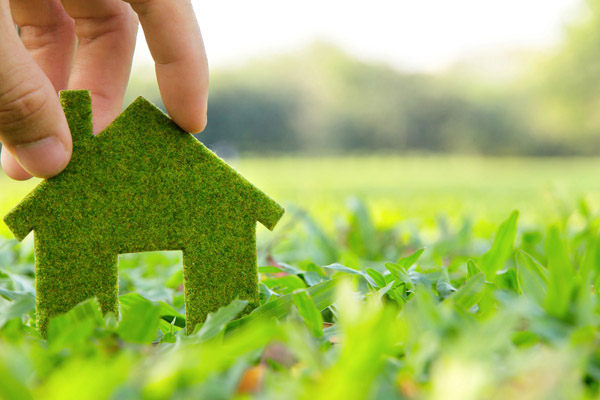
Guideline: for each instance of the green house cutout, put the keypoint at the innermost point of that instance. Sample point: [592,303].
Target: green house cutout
[142,184]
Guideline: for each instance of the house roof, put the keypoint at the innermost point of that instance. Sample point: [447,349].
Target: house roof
[141,170]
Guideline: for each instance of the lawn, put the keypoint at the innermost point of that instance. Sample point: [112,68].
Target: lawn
[388,278]
[410,188]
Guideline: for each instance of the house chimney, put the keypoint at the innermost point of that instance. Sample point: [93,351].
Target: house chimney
[77,105]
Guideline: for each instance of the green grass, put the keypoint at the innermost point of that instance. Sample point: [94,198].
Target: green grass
[499,304]
[423,187]
[417,188]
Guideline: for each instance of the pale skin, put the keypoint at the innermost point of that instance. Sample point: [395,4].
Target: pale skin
[75,44]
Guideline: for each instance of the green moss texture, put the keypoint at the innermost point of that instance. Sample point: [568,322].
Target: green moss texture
[142,184]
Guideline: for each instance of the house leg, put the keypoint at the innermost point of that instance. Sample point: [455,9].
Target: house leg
[215,274]
[63,282]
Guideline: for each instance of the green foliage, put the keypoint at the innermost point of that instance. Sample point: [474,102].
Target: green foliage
[429,324]
[491,316]
[216,322]
[532,278]
[562,274]
[568,84]
[471,293]
[140,319]
[501,249]
[309,312]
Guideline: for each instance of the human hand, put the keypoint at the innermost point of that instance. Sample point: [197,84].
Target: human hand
[74,44]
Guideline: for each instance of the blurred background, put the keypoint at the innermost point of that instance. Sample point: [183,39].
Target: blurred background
[463,77]
[419,108]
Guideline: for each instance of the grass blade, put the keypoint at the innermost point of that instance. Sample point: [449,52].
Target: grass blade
[472,269]
[377,277]
[216,322]
[501,249]
[323,295]
[309,312]
[561,279]
[76,326]
[532,278]
[470,293]
[407,262]
[140,319]
[343,268]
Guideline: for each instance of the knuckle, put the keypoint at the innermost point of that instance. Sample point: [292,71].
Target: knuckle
[131,21]
[19,106]
[40,36]
[126,19]
[120,25]
[138,2]
[156,7]
[140,6]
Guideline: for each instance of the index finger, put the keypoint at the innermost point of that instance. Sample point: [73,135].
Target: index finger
[176,45]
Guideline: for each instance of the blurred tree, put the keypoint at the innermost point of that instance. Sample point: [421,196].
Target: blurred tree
[250,120]
[568,85]
[323,101]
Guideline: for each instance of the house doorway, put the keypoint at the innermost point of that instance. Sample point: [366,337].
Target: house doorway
[156,275]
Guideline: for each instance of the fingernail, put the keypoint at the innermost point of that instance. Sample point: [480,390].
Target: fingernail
[43,158]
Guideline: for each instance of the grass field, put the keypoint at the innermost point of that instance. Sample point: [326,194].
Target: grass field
[420,189]
[388,278]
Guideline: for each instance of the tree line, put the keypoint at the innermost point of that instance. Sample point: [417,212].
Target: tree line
[322,101]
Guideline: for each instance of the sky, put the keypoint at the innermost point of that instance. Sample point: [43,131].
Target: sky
[417,35]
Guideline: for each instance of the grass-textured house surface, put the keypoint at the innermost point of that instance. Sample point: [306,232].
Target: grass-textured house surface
[142,184]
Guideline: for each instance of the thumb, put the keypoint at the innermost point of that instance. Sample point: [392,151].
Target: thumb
[33,127]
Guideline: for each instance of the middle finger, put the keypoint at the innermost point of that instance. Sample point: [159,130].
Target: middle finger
[47,34]
[106,32]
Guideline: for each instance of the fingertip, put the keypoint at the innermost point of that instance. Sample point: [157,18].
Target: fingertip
[186,103]
[187,108]
[199,126]
[193,122]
